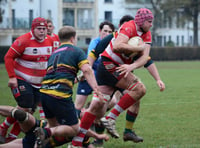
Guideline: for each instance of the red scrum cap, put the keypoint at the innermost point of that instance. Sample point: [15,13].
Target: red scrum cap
[142,15]
[38,21]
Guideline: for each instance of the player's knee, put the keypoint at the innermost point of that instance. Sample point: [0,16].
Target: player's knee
[138,88]
[19,115]
[142,89]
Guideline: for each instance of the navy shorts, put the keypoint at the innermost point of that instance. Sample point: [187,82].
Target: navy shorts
[106,73]
[26,95]
[84,88]
[62,109]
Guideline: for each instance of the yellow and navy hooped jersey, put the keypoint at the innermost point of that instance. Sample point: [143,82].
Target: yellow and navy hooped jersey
[62,69]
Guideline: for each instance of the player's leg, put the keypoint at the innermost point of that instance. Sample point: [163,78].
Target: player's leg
[83,90]
[96,110]
[64,112]
[131,115]
[27,100]
[135,90]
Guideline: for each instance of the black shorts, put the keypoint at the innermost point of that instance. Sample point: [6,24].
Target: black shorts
[106,73]
[62,109]
[26,95]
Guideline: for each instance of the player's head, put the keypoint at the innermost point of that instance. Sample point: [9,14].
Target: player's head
[50,27]
[124,19]
[142,16]
[39,28]
[67,34]
[105,28]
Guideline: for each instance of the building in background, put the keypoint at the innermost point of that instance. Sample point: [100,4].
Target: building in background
[85,16]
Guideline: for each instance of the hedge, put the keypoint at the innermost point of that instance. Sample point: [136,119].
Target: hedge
[157,53]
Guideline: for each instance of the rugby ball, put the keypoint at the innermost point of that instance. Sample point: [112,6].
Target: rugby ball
[135,41]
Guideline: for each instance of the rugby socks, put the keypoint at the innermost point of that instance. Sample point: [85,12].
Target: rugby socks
[8,122]
[86,123]
[42,115]
[15,130]
[130,119]
[125,102]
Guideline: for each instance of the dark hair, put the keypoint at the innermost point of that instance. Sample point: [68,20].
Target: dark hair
[107,23]
[49,21]
[66,32]
[125,18]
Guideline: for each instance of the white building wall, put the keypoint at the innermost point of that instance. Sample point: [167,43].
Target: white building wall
[50,10]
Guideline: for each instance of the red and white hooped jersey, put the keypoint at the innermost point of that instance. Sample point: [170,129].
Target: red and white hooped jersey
[27,58]
[128,29]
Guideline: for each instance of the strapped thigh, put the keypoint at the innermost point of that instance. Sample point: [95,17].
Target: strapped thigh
[134,84]
[106,97]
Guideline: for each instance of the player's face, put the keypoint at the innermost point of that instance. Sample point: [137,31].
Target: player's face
[147,25]
[106,30]
[50,28]
[40,32]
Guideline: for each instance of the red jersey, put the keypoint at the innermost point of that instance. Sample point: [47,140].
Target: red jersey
[128,29]
[27,58]
[56,41]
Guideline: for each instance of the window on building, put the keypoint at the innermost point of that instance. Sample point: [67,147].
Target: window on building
[30,17]
[87,41]
[159,40]
[177,40]
[108,16]
[49,14]
[85,18]
[164,20]
[108,1]
[177,19]
[170,22]
[13,19]
[190,40]
[165,40]
[68,16]
[182,40]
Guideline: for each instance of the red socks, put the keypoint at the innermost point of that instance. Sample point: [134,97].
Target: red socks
[125,102]
[86,123]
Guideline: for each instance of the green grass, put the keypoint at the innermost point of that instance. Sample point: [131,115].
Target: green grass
[168,119]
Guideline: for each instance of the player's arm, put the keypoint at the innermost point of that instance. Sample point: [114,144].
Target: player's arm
[121,45]
[89,76]
[141,61]
[95,135]
[16,50]
[155,74]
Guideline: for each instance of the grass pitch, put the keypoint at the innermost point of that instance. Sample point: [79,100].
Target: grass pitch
[169,119]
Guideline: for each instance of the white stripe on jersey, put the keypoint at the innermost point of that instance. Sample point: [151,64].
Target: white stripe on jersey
[113,55]
[29,78]
[32,65]
[46,50]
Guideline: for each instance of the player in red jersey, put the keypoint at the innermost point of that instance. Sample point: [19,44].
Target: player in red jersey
[115,71]
[26,63]
[50,28]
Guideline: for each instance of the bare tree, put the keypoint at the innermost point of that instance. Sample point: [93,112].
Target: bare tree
[189,10]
